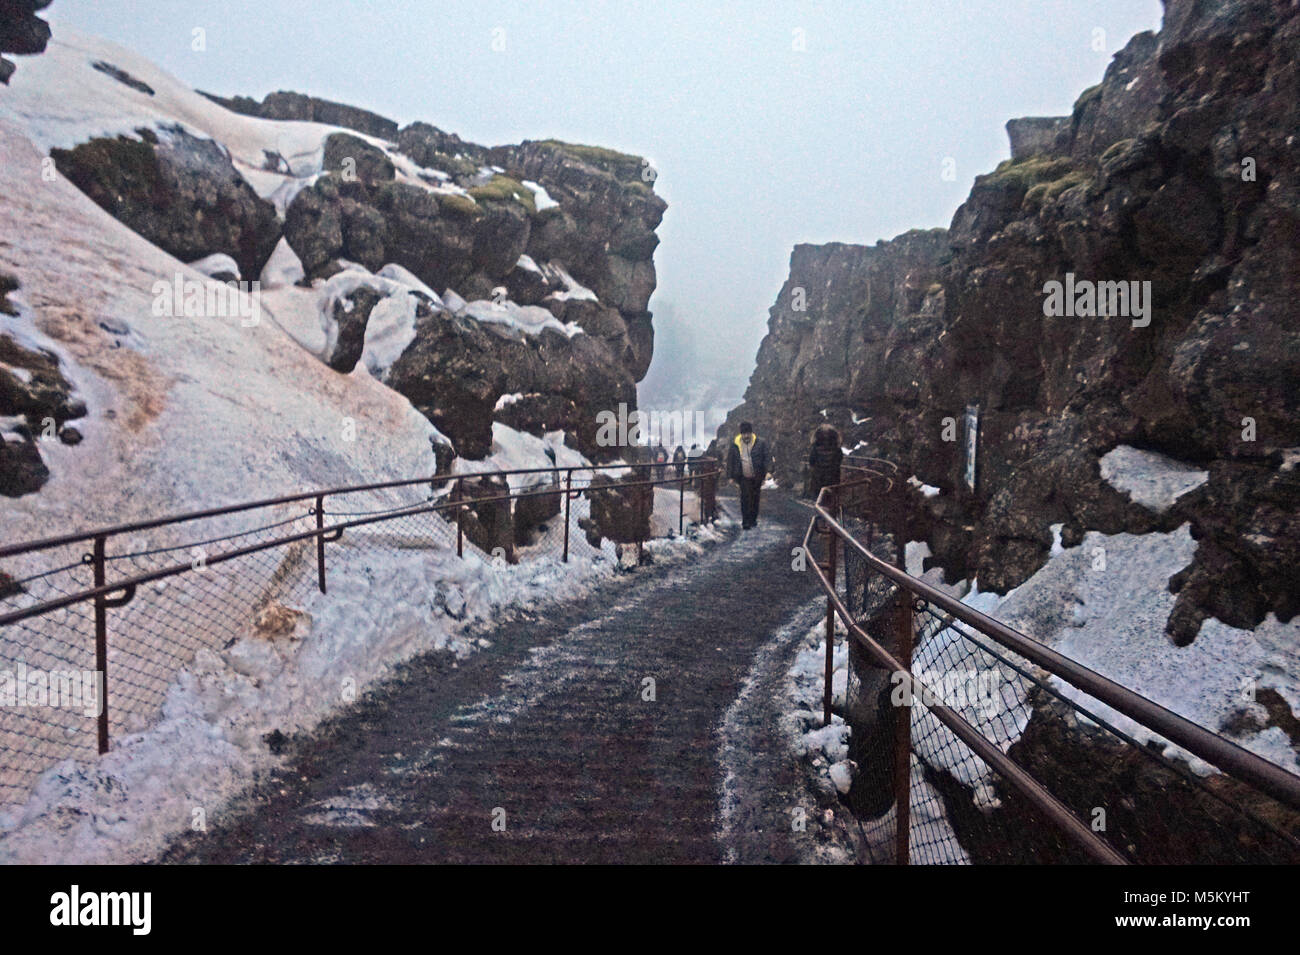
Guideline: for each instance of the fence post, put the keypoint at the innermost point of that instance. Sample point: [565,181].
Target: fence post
[903,735]
[320,542]
[568,493]
[831,540]
[101,641]
[681,505]
[460,509]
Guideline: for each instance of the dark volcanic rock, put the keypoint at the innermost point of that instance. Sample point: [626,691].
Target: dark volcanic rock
[356,160]
[299,106]
[180,192]
[619,514]
[21,31]
[34,390]
[1179,170]
[456,369]
[123,77]
[374,220]
[488,521]
[351,314]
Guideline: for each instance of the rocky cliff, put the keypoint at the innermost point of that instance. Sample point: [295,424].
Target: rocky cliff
[484,285]
[1181,170]
[21,31]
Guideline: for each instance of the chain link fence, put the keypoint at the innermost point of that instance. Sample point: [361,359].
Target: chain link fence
[95,627]
[999,758]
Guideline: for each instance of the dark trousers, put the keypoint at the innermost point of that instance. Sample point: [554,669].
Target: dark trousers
[750,488]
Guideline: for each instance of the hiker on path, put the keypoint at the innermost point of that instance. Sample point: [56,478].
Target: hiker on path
[824,459]
[747,465]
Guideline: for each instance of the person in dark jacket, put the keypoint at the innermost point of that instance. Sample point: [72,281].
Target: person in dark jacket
[747,465]
[679,461]
[824,459]
[661,461]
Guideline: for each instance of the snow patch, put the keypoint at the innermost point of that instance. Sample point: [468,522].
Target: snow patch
[1149,478]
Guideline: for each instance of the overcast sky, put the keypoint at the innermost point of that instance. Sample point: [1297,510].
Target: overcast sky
[770,123]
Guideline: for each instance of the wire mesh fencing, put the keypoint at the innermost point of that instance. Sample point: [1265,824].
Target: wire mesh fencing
[95,627]
[1007,761]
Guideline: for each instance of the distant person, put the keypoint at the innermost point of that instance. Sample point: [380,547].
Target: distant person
[661,461]
[824,459]
[679,460]
[693,461]
[747,465]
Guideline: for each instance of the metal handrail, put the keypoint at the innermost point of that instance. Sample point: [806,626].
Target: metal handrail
[1235,761]
[115,530]
[321,531]
[106,594]
[1227,756]
[1029,787]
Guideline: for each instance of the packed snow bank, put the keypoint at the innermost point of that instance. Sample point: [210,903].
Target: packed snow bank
[1149,478]
[184,411]
[1105,603]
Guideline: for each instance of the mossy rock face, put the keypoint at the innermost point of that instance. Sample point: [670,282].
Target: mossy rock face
[503,189]
[1088,96]
[459,167]
[352,156]
[623,166]
[457,205]
[1045,192]
[1114,150]
[1029,172]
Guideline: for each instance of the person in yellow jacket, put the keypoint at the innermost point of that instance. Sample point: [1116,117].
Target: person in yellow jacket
[747,465]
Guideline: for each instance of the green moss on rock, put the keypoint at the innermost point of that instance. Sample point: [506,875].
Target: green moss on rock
[503,189]
[1091,94]
[459,205]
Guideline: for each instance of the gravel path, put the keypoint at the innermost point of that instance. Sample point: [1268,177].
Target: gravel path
[544,746]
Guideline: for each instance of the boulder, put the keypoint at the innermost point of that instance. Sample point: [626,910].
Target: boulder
[299,106]
[180,192]
[618,514]
[36,401]
[21,31]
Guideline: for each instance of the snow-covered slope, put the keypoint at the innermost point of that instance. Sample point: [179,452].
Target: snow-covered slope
[62,100]
[190,411]
[184,412]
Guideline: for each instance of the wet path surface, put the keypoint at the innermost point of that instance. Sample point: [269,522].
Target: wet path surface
[544,747]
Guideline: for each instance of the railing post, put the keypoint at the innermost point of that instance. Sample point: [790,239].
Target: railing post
[460,509]
[831,540]
[568,493]
[320,542]
[903,735]
[681,505]
[101,641]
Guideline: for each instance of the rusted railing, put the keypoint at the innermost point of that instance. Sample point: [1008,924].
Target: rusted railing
[133,602]
[952,781]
